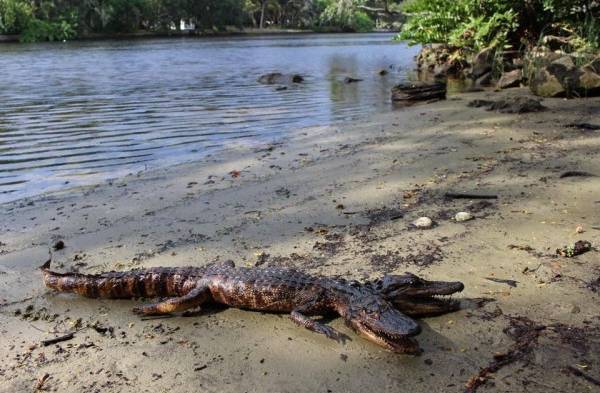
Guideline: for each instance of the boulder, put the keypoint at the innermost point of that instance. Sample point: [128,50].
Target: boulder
[593,66]
[589,81]
[510,79]
[482,62]
[544,84]
[562,77]
[437,59]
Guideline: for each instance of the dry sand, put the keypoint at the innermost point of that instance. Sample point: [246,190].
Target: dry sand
[385,171]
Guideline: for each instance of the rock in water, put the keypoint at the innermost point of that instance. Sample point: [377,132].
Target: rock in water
[423,223]
[410,93]
[277,78]
[510,79]
[482,62]
[350,79]
[463,216]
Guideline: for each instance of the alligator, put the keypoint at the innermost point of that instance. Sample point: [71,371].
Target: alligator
[380,310]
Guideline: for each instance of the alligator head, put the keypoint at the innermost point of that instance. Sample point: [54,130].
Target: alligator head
[378,321]
[417,297]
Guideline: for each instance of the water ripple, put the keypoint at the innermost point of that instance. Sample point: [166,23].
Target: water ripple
[76,113]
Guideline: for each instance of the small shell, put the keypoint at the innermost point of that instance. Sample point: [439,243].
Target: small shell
[423,223]
[463,216]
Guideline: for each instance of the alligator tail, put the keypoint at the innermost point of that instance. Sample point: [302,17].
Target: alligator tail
[112,285]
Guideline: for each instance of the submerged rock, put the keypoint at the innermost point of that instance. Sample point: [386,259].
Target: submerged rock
[350,79]
[423,223]
[277,78]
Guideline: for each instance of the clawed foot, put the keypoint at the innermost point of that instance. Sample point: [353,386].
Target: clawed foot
[145,311]
[332,333]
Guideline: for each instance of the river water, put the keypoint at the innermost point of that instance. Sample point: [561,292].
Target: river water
[82,112]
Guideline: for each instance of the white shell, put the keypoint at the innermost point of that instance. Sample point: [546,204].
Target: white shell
[423,222]
[463,216]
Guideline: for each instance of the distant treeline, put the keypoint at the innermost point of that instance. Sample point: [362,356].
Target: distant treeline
[41,20]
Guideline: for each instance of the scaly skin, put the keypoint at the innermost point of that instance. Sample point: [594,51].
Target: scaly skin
[374,309]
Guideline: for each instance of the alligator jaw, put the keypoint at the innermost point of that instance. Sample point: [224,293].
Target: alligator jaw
[395,343]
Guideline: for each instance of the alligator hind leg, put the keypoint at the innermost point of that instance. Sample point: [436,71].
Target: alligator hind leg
[194,298]
[298,317]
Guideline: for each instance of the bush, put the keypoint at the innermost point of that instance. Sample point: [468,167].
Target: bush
[344,15]
[362,22]
[473,24]
[463,23]
[41,30]
[14,16]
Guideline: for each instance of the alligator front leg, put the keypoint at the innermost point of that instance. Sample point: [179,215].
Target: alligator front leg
[298,317]
[194,298]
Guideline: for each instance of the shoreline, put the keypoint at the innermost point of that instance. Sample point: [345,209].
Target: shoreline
[6,39]
[333,200]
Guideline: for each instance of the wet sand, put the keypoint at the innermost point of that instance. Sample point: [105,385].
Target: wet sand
[328,200]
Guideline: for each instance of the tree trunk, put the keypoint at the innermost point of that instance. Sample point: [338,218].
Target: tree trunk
[263,7]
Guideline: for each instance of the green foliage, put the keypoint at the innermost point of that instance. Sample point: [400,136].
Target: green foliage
[464,23]
[473,24]
[14,16]
[41,30]
[40,20]
[345,15]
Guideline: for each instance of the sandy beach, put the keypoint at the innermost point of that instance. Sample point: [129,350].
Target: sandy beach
[333,200]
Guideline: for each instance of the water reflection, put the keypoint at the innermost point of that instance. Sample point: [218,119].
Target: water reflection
[82,112]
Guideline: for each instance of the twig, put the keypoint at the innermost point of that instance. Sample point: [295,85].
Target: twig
[41,381]
[455,195]
[511,283]
[16,302]
[576,174]
[157,317]
[55,340]
[587,377]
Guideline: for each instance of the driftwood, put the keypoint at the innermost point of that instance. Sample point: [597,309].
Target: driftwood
[55,340]
[577,372]
[410,93]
